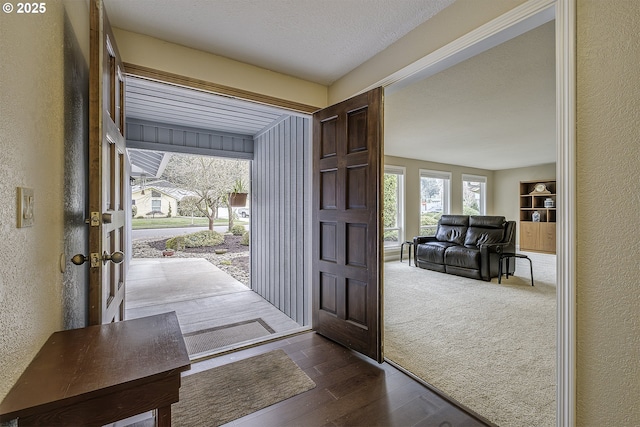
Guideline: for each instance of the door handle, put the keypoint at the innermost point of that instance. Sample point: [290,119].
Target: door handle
[117,257]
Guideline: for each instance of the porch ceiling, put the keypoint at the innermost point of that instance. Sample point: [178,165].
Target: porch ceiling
[173,105]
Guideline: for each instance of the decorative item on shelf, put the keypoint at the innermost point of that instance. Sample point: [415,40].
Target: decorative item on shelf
[540,188]
[535,217]
[238,195]
[549,203]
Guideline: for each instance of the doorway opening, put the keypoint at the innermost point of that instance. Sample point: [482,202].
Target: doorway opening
[474,346]
[242,296]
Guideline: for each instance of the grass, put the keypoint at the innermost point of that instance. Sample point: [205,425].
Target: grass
[176,222]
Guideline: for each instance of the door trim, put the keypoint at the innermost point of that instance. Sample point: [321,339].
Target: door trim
[566,179]
[511,24]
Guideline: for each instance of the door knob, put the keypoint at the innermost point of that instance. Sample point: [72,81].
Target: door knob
[117,257]
[80,259]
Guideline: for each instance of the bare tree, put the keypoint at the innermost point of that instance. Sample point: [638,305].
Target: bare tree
[210,178]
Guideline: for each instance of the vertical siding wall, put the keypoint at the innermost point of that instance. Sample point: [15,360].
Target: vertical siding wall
[279,206]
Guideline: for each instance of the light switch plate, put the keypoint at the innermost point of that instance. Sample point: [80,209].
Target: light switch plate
[25,207]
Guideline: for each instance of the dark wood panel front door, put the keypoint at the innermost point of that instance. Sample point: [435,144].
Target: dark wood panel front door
[107,172]
[347,254]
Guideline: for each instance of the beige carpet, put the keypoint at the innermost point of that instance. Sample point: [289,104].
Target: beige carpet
[490,346]
[223,394]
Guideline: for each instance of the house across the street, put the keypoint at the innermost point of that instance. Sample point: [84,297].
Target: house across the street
[157,198]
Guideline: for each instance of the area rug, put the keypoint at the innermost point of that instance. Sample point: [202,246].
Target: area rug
[226,393]
[489,346]
[221,336]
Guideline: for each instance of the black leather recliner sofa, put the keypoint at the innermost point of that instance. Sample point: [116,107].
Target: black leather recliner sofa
[467,246]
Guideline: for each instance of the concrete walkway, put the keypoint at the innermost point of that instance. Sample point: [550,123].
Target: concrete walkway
[202,295]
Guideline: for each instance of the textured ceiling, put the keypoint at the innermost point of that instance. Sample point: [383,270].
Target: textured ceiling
[316,40]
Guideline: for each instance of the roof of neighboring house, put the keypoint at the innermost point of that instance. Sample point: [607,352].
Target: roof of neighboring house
[166,188]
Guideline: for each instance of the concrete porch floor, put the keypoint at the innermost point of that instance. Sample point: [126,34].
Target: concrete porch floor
[202,295]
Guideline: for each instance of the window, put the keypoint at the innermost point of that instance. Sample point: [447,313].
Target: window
[474,195]
[435,187]
[393,205]
[155,193]
[156,205]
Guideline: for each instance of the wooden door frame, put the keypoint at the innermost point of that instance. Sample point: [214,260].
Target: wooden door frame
[519,20]
[295,108]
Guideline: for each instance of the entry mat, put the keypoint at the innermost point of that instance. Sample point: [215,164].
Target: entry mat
[222,336]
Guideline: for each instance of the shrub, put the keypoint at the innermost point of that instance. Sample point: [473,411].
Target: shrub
[176,243]
[245,239]
[195,240]
[430,218]
[237,230]
[466,210]
[134,211]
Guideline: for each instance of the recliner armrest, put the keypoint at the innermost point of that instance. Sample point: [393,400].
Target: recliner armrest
[424,239]
[496,248]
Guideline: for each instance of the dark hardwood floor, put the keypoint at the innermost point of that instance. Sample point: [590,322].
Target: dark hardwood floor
[351,390]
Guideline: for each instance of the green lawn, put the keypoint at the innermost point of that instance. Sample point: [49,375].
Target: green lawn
[177,222]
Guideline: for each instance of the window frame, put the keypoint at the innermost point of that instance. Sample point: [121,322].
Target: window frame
[401,172]
[483,190]
[446,192]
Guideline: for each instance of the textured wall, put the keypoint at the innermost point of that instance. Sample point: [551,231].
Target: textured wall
[608,202]
[31,155]
[36,116]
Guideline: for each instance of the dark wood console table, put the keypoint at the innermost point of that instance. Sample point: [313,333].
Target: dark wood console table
[101,374]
